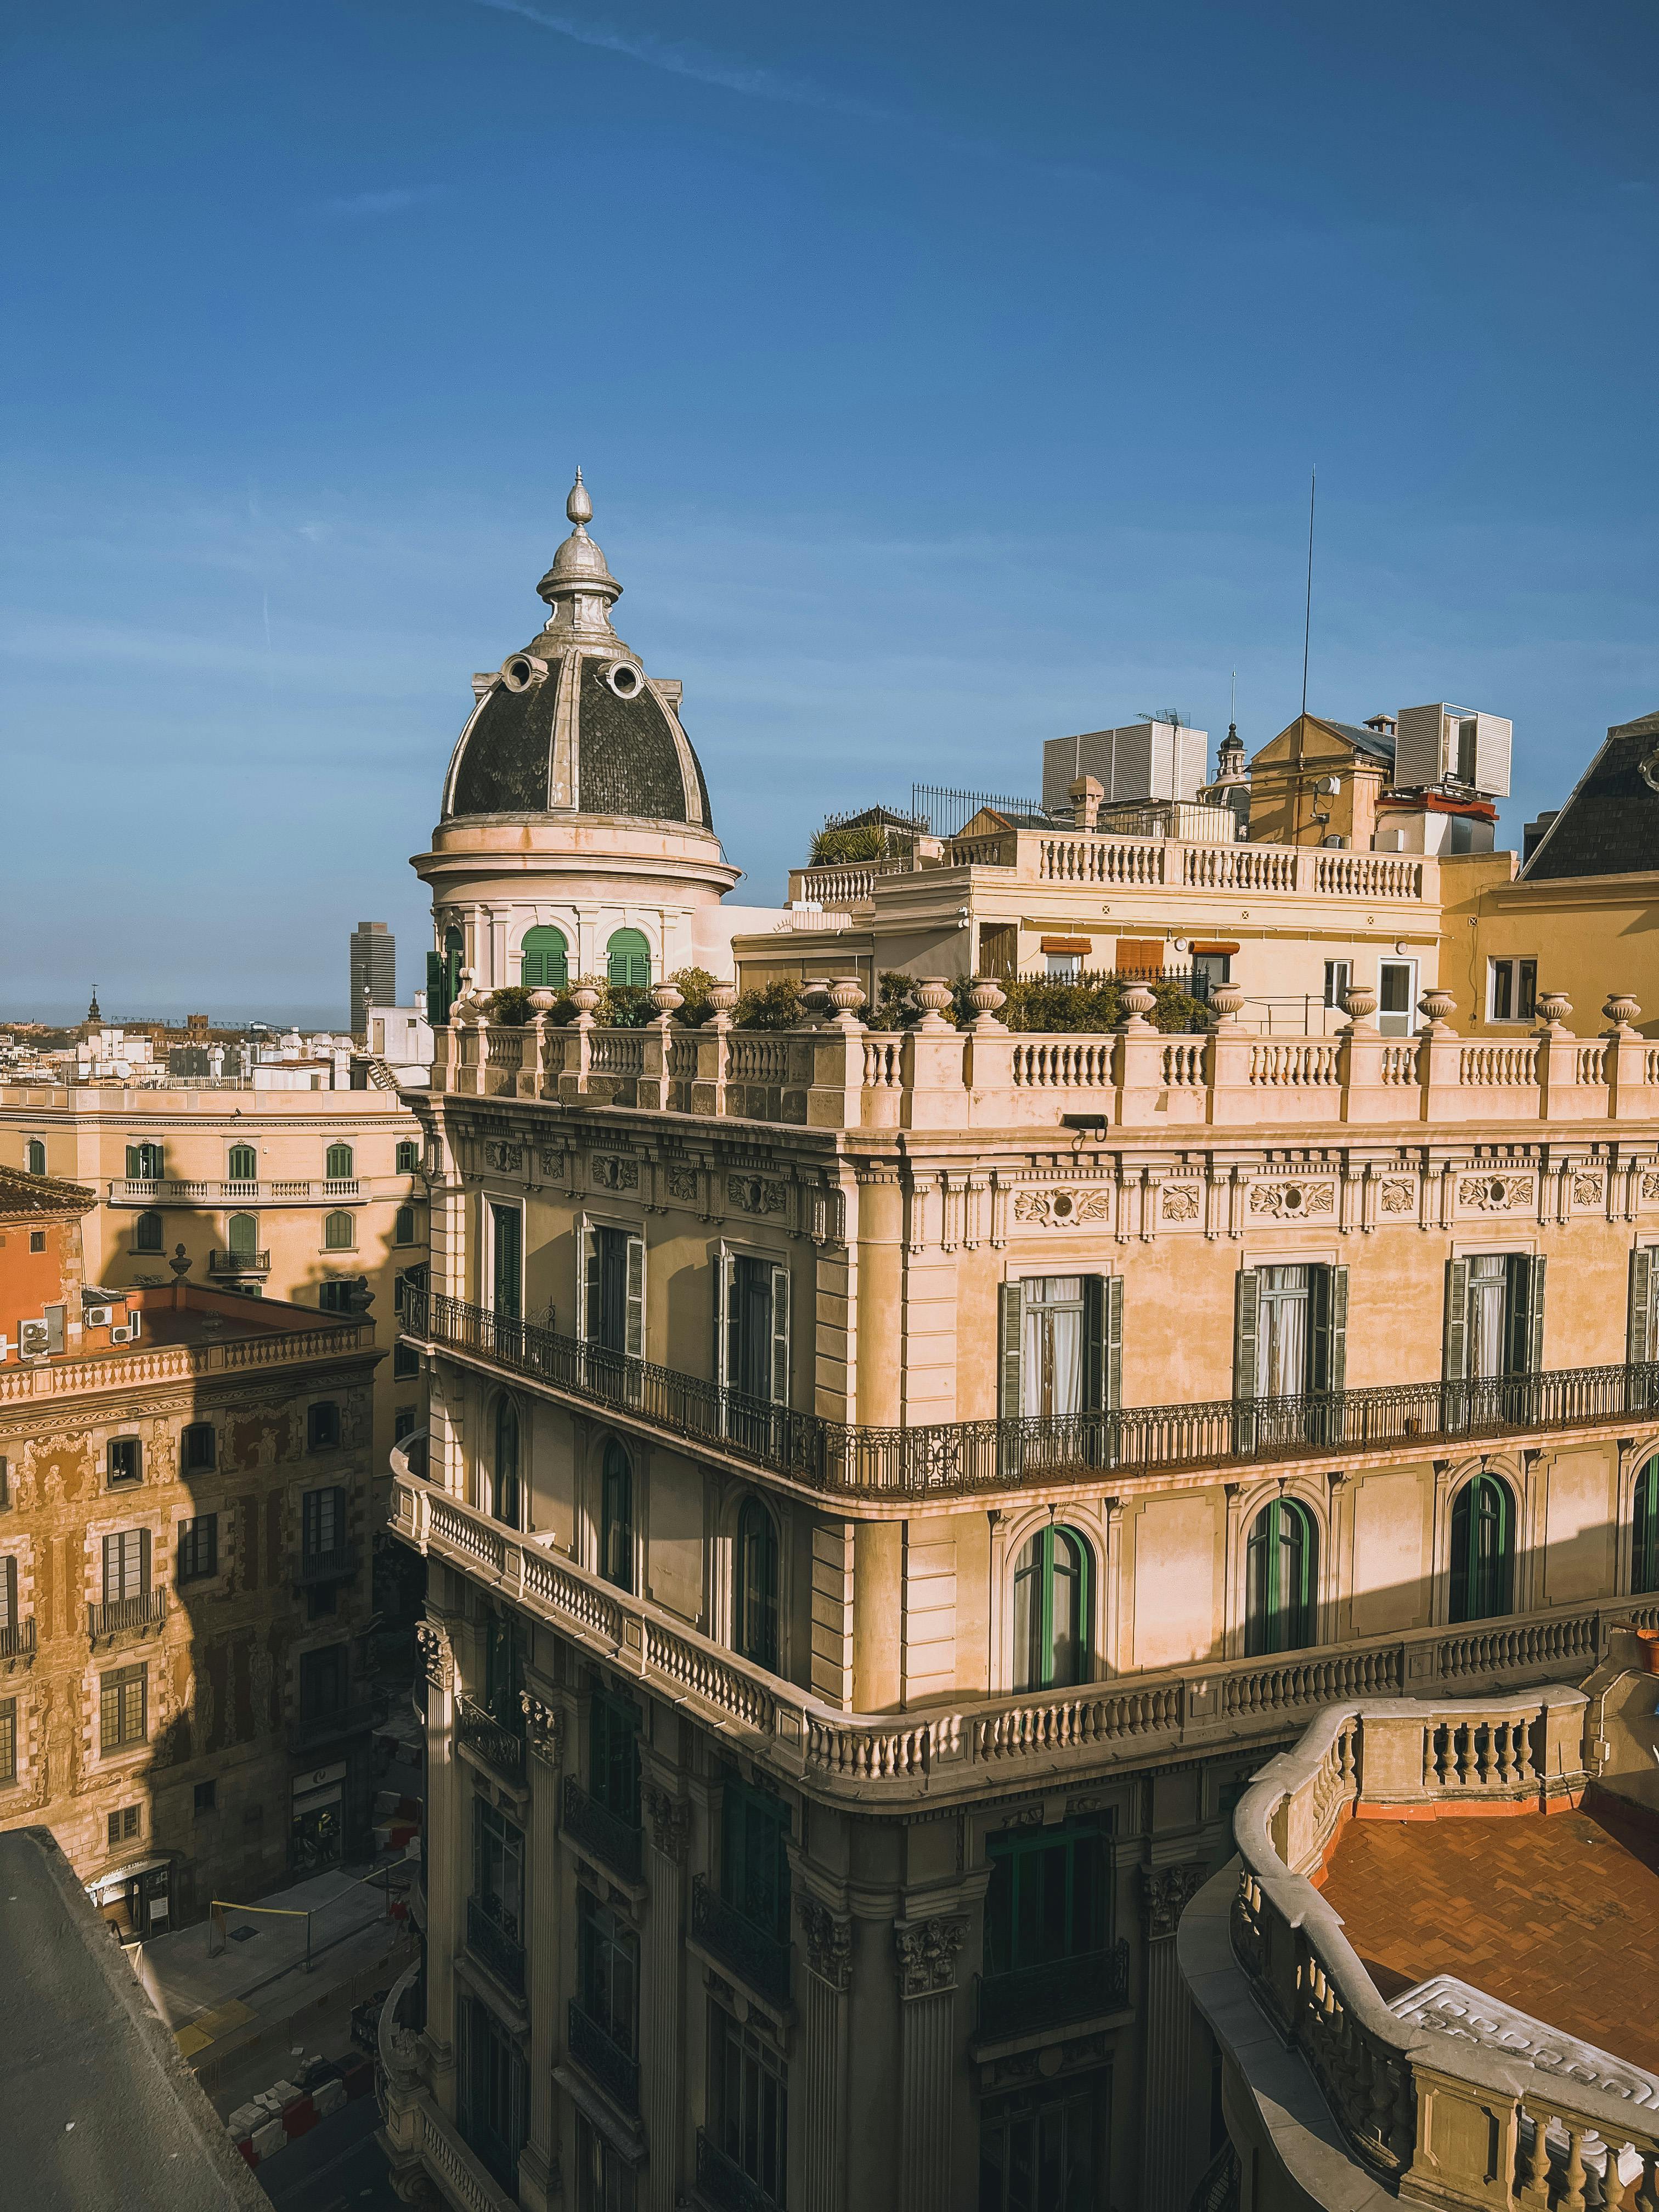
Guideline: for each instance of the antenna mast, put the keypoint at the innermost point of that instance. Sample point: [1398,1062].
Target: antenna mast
[1307,618]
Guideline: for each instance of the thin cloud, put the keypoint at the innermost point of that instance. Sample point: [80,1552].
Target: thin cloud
[392,202]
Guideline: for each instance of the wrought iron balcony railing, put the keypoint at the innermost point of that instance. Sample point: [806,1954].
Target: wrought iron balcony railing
[615,2071]
[338,1565]
[500,1747]
[723,2183]
[952,1457]
[617,1843]
[119,1615]
[17,1639]
[238,1263]
[492,1934]
[1028,1998]
[753,1951]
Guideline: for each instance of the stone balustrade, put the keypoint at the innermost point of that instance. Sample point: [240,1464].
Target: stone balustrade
[837,1074]
[1437,2118]
[958,1750]
[120,1369]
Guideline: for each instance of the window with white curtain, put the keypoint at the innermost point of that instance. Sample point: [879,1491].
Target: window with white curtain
[1282,1343]
[1051,1345]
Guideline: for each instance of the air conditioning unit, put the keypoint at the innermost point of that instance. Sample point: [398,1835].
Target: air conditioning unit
[34,1339]
[122,1335]
[96,1317]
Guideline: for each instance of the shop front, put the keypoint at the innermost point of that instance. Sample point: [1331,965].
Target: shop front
[135,1900]
[317,1819]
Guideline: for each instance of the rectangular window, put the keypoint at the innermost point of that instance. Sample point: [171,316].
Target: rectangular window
[126,1461]
[1061,1345]
[409,1155]
[748,2106]
[1511,990]
[1338,976]
[1494,1316]
[605,2180]
[1396,996]
[403,1418]
[1049,1898]
[498,1868]
[755,1857]
[405,1362]
[756,1338]
[122,1826]
[126,1564]
[201,1448]
[207,1797]
[198,1548]
[1057,2130]
[322,1520]
[1290,1332]
[7,1740]
[322,1682]
[334,1297]
[491,2091]
[613,1761]
[608,1971]
[122,1709]
[506,1243]
[322,1426]
[614,1301]
[8,1594]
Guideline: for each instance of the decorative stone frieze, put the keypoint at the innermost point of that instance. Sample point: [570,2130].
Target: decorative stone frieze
[927,1953]
[1397,1196]
[1166,1892]
[1589,1187]
[437,1655]
[607,1172]
[755,1193]
[1292,1201]
[671,1823]
[507,1160]
[544,1729]
[1182,1201]
[1061,1209]
[1494,1193]
[682,1184]
[829,1943]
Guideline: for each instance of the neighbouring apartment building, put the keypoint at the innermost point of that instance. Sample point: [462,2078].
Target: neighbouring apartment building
[185,1519]
[314,1197]
[888,1494]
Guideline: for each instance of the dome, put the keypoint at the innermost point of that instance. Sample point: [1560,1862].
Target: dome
[573,725]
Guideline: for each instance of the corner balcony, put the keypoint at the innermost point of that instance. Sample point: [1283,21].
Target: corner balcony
[1002,1742]
[956,1459]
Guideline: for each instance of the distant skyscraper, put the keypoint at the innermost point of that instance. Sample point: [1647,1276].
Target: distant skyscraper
[374,970]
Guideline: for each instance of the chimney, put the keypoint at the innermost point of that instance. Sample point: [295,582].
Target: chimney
[1085,795]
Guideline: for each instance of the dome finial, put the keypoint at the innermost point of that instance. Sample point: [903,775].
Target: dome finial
[578,507]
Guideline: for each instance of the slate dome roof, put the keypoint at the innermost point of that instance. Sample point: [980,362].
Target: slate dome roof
[573,725]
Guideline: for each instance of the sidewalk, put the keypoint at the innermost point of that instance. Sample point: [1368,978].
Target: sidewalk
[232,2014]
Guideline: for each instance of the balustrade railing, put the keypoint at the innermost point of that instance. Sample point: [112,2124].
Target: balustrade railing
[593,1828]
[753,1952]
[957,1457]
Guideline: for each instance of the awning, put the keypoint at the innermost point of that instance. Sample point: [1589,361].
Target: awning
[97,1890]
[1068,944]
[1203,945]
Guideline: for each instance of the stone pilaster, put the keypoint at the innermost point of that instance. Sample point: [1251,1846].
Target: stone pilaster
[927,1953]
[538,2166]
[1167,2129]
[662,2071]
[445,1866]
[826,1982]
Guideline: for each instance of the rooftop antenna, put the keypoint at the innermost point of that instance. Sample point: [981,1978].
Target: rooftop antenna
[1307,617]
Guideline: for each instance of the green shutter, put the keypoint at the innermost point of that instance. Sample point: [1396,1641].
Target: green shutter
[1328,1318]
[1114,1342]
[1456,1357]
[634,1339]
[1247,1306]
[437,1008]
[1638,1328]
[1013,1333]
[780,1336]
[1535,1339]
[1094,1343]
[587,1280]
[135,1166]
[726,1294]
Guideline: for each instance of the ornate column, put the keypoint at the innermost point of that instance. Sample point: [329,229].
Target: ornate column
[662,2055]
[927,1991]
[828,1980]
[538,2164]
[444,1868]
[1166,2132]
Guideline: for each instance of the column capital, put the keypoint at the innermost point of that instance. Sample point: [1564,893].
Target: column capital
[544,1728]
[671,1822]
[437,1655]
[829,1943]
[927,1953]
[1166,1892]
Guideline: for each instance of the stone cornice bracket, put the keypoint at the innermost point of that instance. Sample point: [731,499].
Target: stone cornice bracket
[671,1823]
[544,1728]
[829,1943]
[436,1655]
[927,1953]
[1166,1892]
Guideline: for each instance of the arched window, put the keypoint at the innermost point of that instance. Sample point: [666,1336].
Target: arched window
[243,1234]
[628,957]
[337,1234]
[617,1517]
[402,1225]
[1482,1549]
[337,1165]
[147,1234]
[1281,1586]
[755,1610]
[1051,1611]
[1644,1551]
[546,960]
[35,1156]
[506,1498]
[243,1164]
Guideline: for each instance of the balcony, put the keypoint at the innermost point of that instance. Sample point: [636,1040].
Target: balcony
[289,1190]
[311,1731]
[722,2183]
[753,1953]
[492,1936]
[1032,1999]
[615,2071]
[126,1616]
[501,1748]
[594,1828]
[961,1458]
[238,1263]
[17,1644]
[338,1565]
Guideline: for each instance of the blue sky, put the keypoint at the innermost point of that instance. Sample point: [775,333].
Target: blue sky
[946,378]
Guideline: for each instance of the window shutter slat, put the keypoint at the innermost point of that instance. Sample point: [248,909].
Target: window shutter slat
[780,1336]
[1247,1308]
[1094,1343]
[1535,1315]
[1457,1362]
[1013,1335]
[1336,1372]
[635,1337]
[587,1300]
[726,1293]
[1638,1329]
[1113,1343]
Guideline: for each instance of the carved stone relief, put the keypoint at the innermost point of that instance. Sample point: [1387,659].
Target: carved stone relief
[1494,1193]
[1060,1209]
[610,1174]
[1588,1188]
[436,1655]
[1292,1201]
[544,1728]
[682,1184]
[509,1159]
[755,1193]
[1166,1892]
[829,1943]
[928,1954]
[1650,1186]
[671,1824]
[1180,1202]
[1397,1198]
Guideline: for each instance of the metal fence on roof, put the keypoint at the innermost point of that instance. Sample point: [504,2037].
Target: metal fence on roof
[947,813]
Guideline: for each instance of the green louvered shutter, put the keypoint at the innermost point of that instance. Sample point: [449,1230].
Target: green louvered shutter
[1535,1339]
[1638,1329]
[1456,1364]
[1094,1343]
[634,1337]
[1247,1309]
[1114,1395]
[1013,1335]
[780,1336]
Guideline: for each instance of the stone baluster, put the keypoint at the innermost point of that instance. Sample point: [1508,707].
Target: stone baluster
[576,1076]
[1647,2192]
[1169,2128]
[1571,2199]
[668,1821]
[828,1981]
[1535,2190]
[538,2163]
[927,1953]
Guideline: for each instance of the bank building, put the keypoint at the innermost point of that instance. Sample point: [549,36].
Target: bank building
[936,1526]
